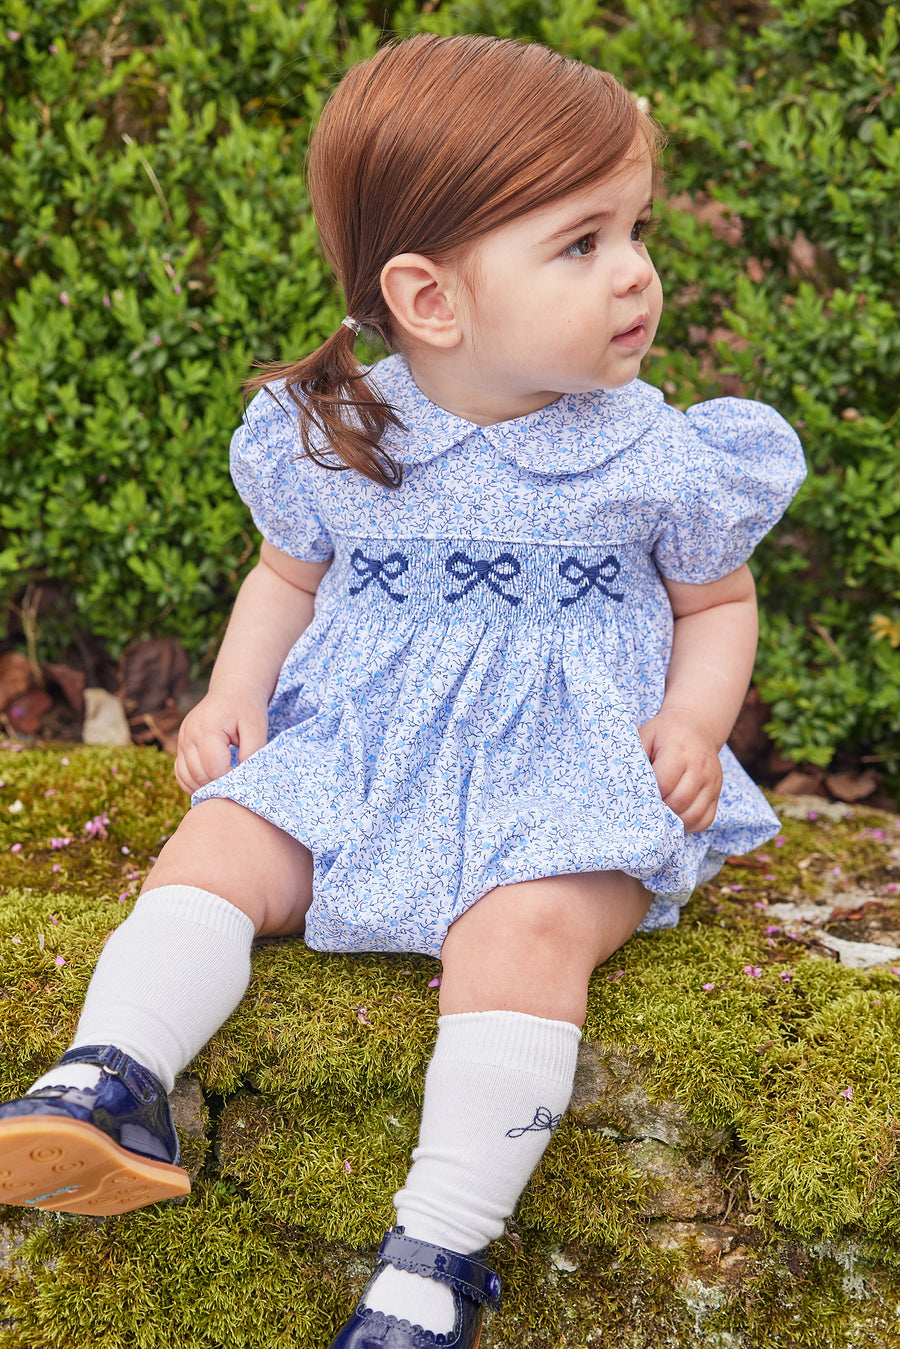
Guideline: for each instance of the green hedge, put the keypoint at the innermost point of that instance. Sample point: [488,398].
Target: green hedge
[155,240]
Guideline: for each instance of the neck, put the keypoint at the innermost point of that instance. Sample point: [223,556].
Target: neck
[458,387]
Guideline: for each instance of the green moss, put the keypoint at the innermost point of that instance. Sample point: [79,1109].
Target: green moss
[314,1022]
[200,1275]
[314,1088]
[332,1172]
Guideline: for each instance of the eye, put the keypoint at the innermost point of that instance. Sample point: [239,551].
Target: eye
[642,229]
[582,248]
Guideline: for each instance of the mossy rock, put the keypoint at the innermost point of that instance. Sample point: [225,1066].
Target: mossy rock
[731,1056]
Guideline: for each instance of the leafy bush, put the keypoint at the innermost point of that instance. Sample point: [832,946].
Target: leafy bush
[155,240]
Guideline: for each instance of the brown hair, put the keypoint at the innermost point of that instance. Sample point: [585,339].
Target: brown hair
[422,149]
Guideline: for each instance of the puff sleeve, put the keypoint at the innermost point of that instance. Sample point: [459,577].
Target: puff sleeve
[737,466]
[276,482]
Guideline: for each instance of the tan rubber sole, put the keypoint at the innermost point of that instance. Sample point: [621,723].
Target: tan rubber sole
[47,1162]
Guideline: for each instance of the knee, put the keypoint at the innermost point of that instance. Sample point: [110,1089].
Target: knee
[218,847]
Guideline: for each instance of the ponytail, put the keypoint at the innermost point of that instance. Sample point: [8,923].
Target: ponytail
[325,387]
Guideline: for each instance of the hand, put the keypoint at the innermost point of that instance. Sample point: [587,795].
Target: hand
[685,759]
[227,716]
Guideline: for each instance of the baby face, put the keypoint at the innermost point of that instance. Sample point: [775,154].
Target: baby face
[564,299]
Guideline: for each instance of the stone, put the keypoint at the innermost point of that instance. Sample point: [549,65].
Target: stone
[803,806]
[611,1095]
[711,1240]
[682,1187]
[794,916]
[105,722]
[860,955]
[191,1120]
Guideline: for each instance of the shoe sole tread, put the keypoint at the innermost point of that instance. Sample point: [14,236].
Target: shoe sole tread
[70,1166]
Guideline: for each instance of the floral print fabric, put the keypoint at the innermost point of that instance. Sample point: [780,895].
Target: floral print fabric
[463,711]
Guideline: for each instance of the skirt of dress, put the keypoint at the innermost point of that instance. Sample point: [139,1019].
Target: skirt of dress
[424,771]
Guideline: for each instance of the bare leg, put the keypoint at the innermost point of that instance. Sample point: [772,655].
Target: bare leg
[532,947]
[221,847]
[513,997]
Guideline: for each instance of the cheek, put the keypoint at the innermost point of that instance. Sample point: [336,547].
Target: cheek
[657,295]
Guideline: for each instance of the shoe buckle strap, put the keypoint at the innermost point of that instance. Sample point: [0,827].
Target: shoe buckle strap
[138,1080]
[462,1272]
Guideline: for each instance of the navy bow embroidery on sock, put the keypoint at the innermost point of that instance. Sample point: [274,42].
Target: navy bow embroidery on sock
[599,576]
[542,1120]
[374,569]
[492,571]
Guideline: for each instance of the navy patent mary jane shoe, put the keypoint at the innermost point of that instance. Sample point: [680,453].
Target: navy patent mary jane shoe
[105,1150]
[473,1286]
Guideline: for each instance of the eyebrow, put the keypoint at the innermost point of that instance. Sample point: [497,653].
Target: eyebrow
[587,225]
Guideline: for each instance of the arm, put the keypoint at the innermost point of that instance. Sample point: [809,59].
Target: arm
[713,649]
[274,606]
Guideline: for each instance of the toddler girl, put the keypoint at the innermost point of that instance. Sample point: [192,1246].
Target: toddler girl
[473,699]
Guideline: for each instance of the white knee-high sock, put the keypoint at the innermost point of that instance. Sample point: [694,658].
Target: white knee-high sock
[165,982]
[496,1087]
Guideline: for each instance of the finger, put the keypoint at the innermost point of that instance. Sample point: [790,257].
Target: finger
[700,813]
[213,758]
[253,733]
[671,776]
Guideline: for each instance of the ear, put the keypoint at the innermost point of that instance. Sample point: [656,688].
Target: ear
[421,295]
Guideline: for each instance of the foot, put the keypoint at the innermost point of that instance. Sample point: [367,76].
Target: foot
[101,1150]
[472,1284]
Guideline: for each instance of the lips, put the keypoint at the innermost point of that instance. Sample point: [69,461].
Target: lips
[635,336]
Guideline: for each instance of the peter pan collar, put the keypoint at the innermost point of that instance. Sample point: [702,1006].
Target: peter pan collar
[575,433]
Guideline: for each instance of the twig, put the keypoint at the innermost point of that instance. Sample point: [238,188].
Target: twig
[828,640]
[28,612]
[148,169]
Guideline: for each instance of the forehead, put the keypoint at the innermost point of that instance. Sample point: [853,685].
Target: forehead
[627,192]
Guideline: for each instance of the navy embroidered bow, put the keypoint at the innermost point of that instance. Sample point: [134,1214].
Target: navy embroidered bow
[492,571]
[374,569]
[599,575]
[542,1120]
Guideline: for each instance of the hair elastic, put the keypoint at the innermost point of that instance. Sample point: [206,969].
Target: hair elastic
[353,324]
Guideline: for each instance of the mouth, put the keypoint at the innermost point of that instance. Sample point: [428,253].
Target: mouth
[635,336]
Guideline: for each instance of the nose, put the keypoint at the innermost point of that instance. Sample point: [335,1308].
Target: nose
[635,270]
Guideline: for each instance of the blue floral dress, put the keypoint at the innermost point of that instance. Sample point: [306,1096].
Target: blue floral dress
[463,711]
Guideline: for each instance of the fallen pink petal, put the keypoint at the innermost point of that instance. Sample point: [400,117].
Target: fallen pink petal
[780,841]
[786,975]
[753,971]
[59,960]
[708,988]
[435,983]
[618,975]
[16,847]
[848,1093]
[347,1167]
